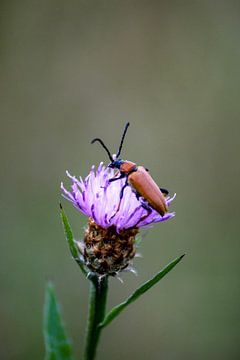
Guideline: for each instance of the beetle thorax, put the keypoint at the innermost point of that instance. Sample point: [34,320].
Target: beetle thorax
[127,166]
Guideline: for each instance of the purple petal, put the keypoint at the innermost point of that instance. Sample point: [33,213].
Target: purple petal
[97,198]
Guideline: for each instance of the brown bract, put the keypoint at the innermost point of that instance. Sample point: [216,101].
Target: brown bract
[107,252]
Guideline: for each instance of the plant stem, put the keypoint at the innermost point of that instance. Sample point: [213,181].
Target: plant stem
[96,312]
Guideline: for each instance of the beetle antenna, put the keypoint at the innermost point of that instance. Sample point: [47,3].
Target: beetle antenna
[104,146]
[122,140]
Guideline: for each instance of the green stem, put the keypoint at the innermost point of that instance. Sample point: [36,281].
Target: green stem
[96,312]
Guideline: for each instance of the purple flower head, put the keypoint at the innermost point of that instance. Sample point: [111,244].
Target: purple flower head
[98,199]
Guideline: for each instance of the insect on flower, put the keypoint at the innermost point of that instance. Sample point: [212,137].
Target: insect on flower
[146,190]
[109,243]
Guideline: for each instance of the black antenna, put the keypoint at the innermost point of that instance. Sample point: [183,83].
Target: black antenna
[104,146]
[121,144]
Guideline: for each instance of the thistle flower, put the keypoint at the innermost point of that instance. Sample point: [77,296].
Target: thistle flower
[109,242]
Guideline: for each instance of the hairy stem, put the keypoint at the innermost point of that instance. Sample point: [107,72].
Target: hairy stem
[96,312]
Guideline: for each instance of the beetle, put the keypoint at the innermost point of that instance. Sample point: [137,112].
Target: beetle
[138,177]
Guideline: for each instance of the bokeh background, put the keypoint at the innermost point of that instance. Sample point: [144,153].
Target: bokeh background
[73,70]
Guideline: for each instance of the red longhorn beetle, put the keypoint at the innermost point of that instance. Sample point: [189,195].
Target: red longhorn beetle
[145,188]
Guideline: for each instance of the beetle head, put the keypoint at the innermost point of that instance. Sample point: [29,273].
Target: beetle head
[116,164]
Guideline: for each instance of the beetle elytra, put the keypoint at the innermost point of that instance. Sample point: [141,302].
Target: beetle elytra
[143,185]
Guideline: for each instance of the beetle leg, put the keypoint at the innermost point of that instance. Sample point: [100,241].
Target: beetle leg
[165,192]
[137,195]
[114,179]
[145,205]
[147,208]
[117,178]
[121,196]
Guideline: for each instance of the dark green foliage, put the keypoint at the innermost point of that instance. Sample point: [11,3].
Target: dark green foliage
[70,239]
[140,291]
[57,345]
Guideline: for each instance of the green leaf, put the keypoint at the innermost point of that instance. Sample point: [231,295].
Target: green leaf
[70,239]
[140,291]
[57,345]
[69,234]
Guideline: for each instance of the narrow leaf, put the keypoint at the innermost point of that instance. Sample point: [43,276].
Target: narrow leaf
[57,345]
[140,291]
[70,239]
[68,233]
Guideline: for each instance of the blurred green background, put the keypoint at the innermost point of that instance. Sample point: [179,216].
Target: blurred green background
[73,70]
